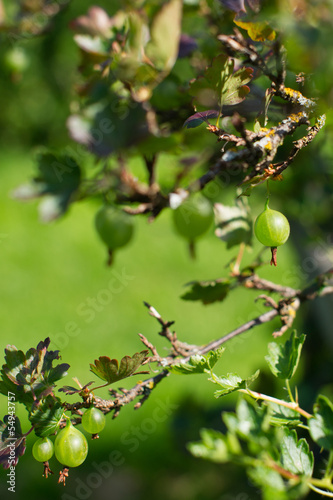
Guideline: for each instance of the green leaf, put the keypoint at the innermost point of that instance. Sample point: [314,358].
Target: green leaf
[197,363]
[58,178]
[296,456]
[11,439]
[234,223]
[213,446]
[165,33]
[273,487]
[281,415]
[114,124]
[207,89]
[283,359]
[269,481]
[219,85]
[234,90]
[57,373]
[251,422]
[232,382]
[46,416]
[207,292]
[111,371]
[57,174]
[321,425]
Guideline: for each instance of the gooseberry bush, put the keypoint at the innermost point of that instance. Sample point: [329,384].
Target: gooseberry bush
[204,83]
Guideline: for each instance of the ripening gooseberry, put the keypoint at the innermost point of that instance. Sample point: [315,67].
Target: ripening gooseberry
[43,449]
[193,217]
[114,227]
[93,420]
[70,446]
[272,229]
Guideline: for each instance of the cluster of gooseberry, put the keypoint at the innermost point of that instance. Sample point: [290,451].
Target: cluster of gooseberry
[192,219]
[70,446]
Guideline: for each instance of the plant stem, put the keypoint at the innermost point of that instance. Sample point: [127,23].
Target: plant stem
[320,491]
[100,386]
[329,467]
[318,484]
[236,266]
[264,397]
[289,391]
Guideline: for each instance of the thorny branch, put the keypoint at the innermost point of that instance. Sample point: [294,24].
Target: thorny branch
[251,152]
[255,151]
[286,308]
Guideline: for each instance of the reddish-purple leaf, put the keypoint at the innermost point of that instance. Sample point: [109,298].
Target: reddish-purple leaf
[12,441]
[235,5]
[200,117]
[187,45]
[239,5]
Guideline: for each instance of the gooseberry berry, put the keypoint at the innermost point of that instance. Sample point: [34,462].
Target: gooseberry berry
[70,446]
[272,229]
[193,217]
[114,227]
[93,420]
[43,449]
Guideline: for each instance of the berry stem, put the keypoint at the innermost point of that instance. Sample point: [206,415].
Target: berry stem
[47,470]
[109,261]
[274,253]
[191,248]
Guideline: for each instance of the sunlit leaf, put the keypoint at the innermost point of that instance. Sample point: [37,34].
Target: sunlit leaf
[283,359]
[165,33]
[321,425]
[281,415]
[232,382]
[213,446]
[197,363]
[296,456]
[111,370]
[257,31]
[220,84]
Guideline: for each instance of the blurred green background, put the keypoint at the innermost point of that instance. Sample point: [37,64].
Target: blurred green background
[48,272]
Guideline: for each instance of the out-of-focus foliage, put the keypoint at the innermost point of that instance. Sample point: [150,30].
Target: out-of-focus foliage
[51,95]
